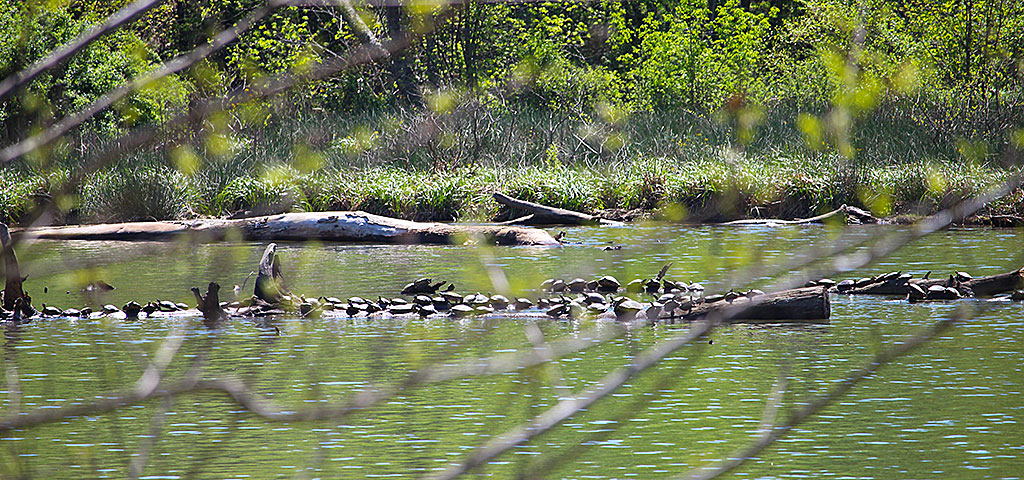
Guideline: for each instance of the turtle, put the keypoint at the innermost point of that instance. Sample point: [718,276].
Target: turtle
[827,282]
[558,286]
[863,282]
[608,283]
[523,303]
[577,285]
[714,298]
[626,309]
[596,308]
[402,309]
[167,306]
[754,293]
[730,296]
[654,311]
[651,286]
[547,285]
[452,297]
[422,285]
[72,312]
[963,277]
[131,309]
[499,302]
[461,310]
[558,310]
[915,292]
[109,309]
[440,303]
[635,286]
[422,300]
[51,311]
[845,285]
[593,298]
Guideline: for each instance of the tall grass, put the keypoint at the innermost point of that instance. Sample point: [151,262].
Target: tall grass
[429,166]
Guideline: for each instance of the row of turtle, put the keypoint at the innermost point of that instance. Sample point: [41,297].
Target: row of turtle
[609,284]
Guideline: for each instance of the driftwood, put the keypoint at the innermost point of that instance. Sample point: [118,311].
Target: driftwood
[850,215]
[807,305]
[331,226]
[978,287]
[12,274]
[544,215]
[270,286]
[209,305]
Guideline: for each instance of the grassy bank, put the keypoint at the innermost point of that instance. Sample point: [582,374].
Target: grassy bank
[680,166]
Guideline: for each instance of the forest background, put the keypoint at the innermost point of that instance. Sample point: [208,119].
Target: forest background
[686,110]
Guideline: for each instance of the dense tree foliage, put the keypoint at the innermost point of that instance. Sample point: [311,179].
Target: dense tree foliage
[639,55]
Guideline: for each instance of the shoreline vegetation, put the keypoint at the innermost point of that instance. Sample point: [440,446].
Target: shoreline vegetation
[681,168]
[686,111]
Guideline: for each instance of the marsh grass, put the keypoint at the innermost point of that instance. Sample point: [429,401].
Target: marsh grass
[681,165]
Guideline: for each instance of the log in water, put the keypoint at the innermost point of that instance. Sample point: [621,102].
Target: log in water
[807,305]
[332,226]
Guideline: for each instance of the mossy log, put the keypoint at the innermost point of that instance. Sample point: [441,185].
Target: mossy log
[804,305]
[330,226]
[545,215]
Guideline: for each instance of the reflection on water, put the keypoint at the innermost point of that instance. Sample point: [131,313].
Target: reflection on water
[949,410]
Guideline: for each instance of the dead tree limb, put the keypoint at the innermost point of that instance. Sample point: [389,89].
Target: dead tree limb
[849,215]
[544,215]
[12,274]
[270,285]
[209,304]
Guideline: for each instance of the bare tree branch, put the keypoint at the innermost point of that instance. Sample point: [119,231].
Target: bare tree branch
[566,408]
[770,436]
[257,405]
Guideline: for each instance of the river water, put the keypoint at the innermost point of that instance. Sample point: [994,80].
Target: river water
[951,409]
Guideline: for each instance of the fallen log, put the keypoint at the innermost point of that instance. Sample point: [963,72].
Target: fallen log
[978,287]
[544,215]
[850,215]
[330,226]
[805,305]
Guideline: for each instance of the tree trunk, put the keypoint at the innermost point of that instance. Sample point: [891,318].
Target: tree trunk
[209,304]
[12,274]
[401,71]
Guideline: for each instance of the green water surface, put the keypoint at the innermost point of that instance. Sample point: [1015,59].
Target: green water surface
[951,409]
